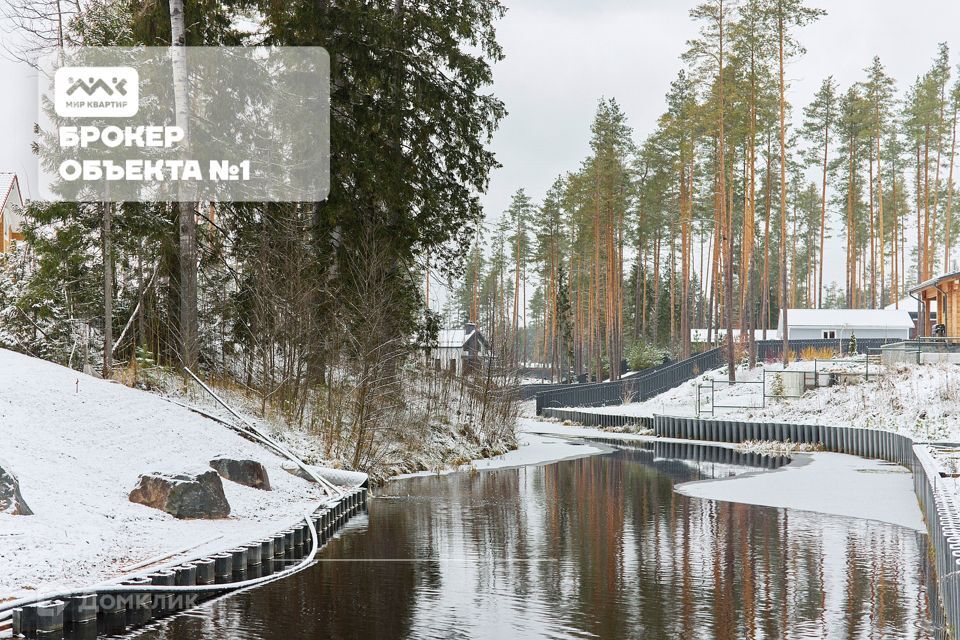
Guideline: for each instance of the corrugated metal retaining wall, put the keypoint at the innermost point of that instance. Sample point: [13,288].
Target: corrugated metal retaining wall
[116,609]
[589,419]
[640,386]
[940,509]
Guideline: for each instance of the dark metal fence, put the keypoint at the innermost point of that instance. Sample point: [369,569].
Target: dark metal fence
[647,384]
[639,387]
[771,349]
[528,391]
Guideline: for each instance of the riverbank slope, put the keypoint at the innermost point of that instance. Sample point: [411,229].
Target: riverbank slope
[77,445]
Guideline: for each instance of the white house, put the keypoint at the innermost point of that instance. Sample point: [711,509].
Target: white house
[10,202]
[459,350]
[814,324]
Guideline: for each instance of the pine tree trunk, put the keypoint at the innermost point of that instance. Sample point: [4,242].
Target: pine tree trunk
[895,246]
[823,210]
[655,310]
[926,205]
[873,245]
[851,234]
[936,185]
[793,260]
[516,298]
[685,263]
[765,305]
[883,241]
[947,236]
[783,199]
[725,216]
[921,239]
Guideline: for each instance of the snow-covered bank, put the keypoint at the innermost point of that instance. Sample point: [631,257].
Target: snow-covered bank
[821,482]
[533,449]
[78,444]
[922,401]
[547,427]
[830,483]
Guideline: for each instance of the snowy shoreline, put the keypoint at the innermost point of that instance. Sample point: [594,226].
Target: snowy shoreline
[820,482]
[77,445]
[534,449]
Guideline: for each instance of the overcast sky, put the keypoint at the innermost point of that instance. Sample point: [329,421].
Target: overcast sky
[563,55]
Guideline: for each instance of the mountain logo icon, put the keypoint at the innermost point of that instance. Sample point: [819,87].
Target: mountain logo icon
[96,92]
[92,85]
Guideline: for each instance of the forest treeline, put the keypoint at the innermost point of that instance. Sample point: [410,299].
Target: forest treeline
[719,218]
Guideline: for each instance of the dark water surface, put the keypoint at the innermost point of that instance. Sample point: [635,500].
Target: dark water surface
[598,547]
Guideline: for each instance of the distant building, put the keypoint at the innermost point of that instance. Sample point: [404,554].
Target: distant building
[459,350]
[940,298]
[836,324]
[10,202]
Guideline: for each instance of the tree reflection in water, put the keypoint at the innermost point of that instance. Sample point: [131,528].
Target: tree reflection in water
[595,547]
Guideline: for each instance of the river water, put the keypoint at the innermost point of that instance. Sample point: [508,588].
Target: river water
[595,547]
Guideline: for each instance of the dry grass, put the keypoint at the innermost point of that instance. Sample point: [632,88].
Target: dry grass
[817,353]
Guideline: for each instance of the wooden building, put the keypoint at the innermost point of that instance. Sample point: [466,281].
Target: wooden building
[939,300]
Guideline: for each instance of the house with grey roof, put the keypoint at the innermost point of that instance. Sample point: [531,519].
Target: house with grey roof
[459,351]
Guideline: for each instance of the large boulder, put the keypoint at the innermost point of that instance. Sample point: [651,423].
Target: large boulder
[195,494]
[249,473]
[11,502]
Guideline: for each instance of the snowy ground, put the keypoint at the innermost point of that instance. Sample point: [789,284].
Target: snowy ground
[922,401]
[77,444]
[830,483]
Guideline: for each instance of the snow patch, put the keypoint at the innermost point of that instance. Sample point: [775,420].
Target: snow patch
[78,445]
[831,483]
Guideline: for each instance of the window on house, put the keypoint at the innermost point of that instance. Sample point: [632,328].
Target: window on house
[829,335]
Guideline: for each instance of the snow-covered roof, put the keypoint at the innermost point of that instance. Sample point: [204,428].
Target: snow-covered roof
[7,182]
[910,304]
[453,338]
[850,318]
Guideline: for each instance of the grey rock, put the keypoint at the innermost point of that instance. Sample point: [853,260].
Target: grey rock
[11,501]
[249,473]
[188,495]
